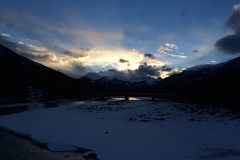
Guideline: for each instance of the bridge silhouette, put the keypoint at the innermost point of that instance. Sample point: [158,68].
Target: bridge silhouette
[125,95]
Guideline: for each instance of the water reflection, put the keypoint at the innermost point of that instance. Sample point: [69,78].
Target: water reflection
[122,99]
[21,107]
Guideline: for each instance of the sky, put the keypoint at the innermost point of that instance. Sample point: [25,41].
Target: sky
[82,36]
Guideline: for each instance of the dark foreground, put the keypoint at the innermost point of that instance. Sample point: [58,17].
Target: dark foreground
[13,147]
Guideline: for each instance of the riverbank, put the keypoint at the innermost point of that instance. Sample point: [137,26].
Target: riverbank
[13,147]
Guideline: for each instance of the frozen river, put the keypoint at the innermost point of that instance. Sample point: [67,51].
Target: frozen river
[139,129]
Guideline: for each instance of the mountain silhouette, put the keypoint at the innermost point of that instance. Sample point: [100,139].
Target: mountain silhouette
[220,82]
[21,76]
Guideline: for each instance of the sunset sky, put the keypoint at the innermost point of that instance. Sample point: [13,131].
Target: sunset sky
[81,36]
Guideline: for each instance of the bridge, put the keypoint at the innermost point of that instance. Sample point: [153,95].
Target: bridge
[125,95]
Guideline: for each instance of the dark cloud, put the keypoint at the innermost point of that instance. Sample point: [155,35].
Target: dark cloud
[28,51]
[230,44]
[44,57]
[166,68]
[34,27]
[113,73]
[75,54]
[140,73]
[79,69]
[4,38]
[76,70]
[147,70]
[233,21]
[69,53]
[148,55]
[123,61]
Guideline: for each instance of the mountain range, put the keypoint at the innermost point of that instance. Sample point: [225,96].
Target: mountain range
[21,76]
[207,83]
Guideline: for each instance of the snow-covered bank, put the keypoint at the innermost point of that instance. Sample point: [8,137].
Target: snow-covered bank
[134,130]
[13,147]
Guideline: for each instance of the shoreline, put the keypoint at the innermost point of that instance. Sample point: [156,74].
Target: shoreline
[17,146]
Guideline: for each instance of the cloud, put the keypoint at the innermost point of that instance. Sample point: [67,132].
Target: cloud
[5,38]
[124,61]
[141,72]
[114,74]
[77,61]
[60,44]
[230,44]
[236,7]
[30,51]
[97,38]
[148,55]
[39,54]
[213,61]
[171,46]
[79,69]
[66,33]
[153,71]
[176,56]
[73,46]
[167,47]
[71,42]
[233,21]
[147,70]
[76,53]
[167,71]
[172,50]
[117,57]
[5,35]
